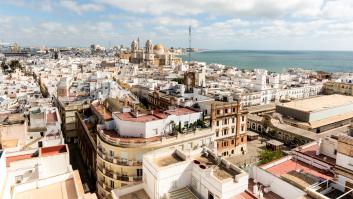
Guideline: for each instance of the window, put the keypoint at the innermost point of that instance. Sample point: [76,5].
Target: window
[242,127]
[225,131]
[111,153]
[225,121]
[242,118]
[232,141]
[217,133]
[226,110]
[155,131]
[217,122]
[233,120]
[139,172]
[218,112]
[112,184]
[233,130]
[233,109]
[242,139]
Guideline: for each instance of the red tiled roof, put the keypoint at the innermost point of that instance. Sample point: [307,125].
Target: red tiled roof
[51,117]
[180,111]
[290,165]
[244,195]
[106,114]
[132,118]
[17,158]
[311,152]
[53,150]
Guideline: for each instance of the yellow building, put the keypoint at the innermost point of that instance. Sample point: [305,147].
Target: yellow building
[338,88]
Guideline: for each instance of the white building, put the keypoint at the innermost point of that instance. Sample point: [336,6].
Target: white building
[197,174]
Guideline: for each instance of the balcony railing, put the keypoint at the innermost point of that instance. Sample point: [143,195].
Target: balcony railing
[117,160]
[104,185]
[117,176]
[113,138]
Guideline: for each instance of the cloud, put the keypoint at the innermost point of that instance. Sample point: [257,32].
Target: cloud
[238,8]
[42,5]
[216,23]
[174,21]
[81,8]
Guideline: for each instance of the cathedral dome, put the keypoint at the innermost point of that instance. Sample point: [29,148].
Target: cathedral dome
[158,48]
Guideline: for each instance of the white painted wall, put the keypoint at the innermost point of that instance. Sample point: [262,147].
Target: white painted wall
[277,185]
[344,161]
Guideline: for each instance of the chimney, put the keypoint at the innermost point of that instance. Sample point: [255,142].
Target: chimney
[318,149]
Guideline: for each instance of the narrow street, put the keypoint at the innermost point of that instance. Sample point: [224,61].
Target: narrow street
[77,164]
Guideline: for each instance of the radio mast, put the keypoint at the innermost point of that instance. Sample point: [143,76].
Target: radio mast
[189,44]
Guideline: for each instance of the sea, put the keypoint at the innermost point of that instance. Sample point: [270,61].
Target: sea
[278,60]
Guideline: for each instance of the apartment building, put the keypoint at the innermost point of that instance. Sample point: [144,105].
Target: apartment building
[228,123]
[41,173]
[179,174]
[126,136]
[67,107]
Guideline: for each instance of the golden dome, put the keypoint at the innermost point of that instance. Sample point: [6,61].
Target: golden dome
[158,47]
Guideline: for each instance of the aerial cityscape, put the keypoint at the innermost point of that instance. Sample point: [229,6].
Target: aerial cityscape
[211,99]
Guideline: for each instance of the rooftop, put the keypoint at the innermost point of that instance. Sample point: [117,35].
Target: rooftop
[167,160]
[296,172]
[180,111]
[103,112]
[319,103]
[219,169]
[53,150]
[311,152]
[11,159]
[60,190]
[139,118]
[141,193]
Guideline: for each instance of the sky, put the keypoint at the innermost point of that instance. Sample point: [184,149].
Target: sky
[216,24]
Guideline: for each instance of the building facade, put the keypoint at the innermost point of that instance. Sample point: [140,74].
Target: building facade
[228,123]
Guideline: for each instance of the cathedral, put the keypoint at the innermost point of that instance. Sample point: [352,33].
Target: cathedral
[152,55]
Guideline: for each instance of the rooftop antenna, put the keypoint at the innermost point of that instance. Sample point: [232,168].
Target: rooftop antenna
[189,44]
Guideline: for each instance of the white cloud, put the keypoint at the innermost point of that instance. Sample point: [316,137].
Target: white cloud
[174,21]
[80,8]
[263,8]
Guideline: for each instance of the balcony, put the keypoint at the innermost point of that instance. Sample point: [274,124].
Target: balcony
[117,160]
[104,186]
[117,176]
[113,137]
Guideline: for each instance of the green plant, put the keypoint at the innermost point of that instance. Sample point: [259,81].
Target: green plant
[266,156]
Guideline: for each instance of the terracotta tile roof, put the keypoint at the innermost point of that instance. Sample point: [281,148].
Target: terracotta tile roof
[132,118]
[51,117]
[53,150]
[311,152]
[291,165]
[11,159]
[180,111]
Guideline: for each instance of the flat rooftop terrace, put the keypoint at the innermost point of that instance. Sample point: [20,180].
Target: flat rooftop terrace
[139,194]
[219,170]
[298,173]
[319,103]
[60,190]
[168,160]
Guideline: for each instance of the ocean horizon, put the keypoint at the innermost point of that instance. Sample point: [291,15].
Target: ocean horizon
[278,60]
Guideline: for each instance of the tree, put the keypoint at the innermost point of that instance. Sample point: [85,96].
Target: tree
[266,156]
